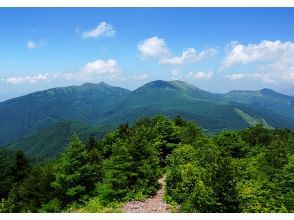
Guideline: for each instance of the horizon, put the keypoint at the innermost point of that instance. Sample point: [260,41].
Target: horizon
[217,50]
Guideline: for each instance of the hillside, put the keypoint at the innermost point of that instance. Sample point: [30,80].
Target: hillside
[23,115]
[213,112]
[266,99]
[50,141]
[30,121]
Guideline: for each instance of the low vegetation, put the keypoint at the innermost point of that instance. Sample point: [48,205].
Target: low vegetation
[251,170]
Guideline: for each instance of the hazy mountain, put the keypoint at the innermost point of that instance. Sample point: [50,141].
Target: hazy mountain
[24,120]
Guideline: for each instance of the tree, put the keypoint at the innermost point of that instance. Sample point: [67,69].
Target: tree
[73,175]
[191,133]
[21,167]
[119,176]
[7,167]
[34,191]
[231,144]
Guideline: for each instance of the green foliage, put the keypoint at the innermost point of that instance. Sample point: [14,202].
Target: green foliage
[119,174]
[231,144]
[246,171]
[33,191]
[7,167]
[54,205]
[50,141]
[74,175]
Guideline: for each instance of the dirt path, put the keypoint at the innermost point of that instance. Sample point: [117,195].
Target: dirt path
[154,204]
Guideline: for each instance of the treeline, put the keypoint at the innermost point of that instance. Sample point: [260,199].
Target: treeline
[235,171]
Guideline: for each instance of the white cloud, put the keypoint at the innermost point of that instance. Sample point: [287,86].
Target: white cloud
[101,67]
[189,55]
[26,79]
[33,44]
[265,78]
[264,51]
[199,75]
[102,29]
[275,59]
[192,75]
[153,47]
[235,76]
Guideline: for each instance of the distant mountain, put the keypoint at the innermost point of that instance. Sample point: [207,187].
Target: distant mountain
[213,112]
[26,114]
[31,121]
[267,99]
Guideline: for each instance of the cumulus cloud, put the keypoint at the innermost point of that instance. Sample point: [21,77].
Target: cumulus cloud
[101,67]
[153,47]
[103,29]
[33,44]
[189,55]
[264,51]
[275,59]
[156,48]
[26,79]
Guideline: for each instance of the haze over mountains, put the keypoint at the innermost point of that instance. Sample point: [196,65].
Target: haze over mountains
[29,122]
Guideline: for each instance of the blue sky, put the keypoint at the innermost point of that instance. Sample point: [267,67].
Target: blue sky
[216,49]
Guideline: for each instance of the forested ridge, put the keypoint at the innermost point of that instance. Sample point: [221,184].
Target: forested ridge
[250,170]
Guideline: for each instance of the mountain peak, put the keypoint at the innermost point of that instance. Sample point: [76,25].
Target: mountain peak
[267,91]
[87,84]
[160,84]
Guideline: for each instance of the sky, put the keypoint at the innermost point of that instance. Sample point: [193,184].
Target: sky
[215,49]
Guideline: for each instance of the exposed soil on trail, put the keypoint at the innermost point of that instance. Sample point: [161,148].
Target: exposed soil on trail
[154,204]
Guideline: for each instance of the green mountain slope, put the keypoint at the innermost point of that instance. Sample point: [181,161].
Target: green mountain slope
[23,115]
[25,122]
[50,141]
[213,112]
[265,99]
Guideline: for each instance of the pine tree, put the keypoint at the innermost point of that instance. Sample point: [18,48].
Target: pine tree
[73,176]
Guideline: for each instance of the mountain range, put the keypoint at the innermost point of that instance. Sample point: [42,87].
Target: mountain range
[41,123]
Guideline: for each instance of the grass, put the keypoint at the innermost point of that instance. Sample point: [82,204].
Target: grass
[252,121]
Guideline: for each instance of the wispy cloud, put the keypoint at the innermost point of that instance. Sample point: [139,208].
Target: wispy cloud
[34,44]
[189,55]
[235,76]
[138,77]
[26,79]
[263,77]
[192,75]
[103,29]
[200,75]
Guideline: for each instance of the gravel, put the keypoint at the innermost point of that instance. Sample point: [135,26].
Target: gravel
[154,204]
